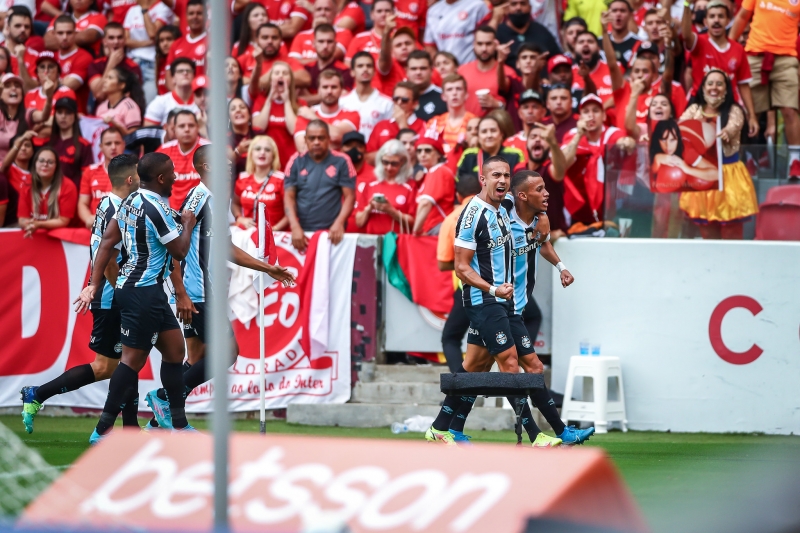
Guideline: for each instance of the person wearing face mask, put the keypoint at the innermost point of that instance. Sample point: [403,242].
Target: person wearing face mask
[355,146]
[719,214]
[519,28]
[699,17]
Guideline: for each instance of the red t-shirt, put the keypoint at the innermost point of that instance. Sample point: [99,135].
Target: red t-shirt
[119,8]
[363,178]
[477,79]
[17,177]
[35,99]
[95,183]
[334,119]
[521,142]
[732,60]
[276,128]
[386,130]
[367,41]
[33,46]
[195,49]
[439,188]
[399,195]
[67,202]
[385,83]
[411,14]
[91,20]
[280,12]
[76,64]
[186,177]
[353,10]
[248,64]
[601,77]
[268,192]
[303,44]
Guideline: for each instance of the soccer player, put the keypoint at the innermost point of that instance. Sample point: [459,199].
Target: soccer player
[105,339]
[150,238]
[191,289]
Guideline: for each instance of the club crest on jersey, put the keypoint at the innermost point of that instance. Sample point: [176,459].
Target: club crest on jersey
[429,108]
[501,337]
[526,342]
[118,347]
[463,15]
[154,339]
[331,171]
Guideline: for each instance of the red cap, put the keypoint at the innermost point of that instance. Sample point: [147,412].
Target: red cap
[200,82]
[47,54]
[590,98]
[557,60]
[436,143]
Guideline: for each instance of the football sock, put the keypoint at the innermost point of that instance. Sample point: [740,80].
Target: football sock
[72,379]
[527,418]
[542,400]
[450,406]
[162,394]
[195,375]
[130,411]
[123,382]
[460,418]
[172,379]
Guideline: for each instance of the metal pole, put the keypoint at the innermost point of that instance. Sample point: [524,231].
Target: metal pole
[262,381]
[219,345]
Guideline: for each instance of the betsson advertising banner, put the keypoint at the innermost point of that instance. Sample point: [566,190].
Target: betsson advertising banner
[707,331]
[42,336]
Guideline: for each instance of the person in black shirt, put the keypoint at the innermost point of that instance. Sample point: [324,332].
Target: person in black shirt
[520,28]
[419,69]
[622,38]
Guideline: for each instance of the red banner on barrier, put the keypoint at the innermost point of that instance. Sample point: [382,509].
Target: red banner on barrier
[284,483]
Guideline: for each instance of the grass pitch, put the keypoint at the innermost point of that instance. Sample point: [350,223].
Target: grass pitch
[658,467]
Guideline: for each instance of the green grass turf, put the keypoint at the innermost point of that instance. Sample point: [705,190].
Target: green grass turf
[657,467]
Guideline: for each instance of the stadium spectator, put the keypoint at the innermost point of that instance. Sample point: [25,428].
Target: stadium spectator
[261,183]
[257,64]
[371,105]
[588,55]
[328,110]
[481,73]
[490,143]
[546,158]
[140,38]
[622,38]
[589,11]
[5,60]
[450,25]
[39,101]
[12,113]
[275,113]
[16,173]
[451,127]
[419,70]
[370,41]
[74,152]
[87,26]
[445,64]
[559,104]
[183,74]
[233,79]
[200,94]
[181,151]
[95,183]
[120,109]
[165,37]
[772,53]
[355,146]
[333,40]
[394,50]
[23,47]
[405,99]
[194,45]
[718,213]
[559,72]
[570,30]
[350,16]
[288,16]
[519,28]
[387,204]
[49,201]
[323,56]
[73,60]
[435,194]
[318,188]
[531,111]
[240,134]
[660,108]
[252,18]
[115,48]
[408,138]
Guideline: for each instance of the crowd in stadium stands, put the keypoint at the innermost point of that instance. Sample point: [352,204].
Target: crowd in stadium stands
[414,93]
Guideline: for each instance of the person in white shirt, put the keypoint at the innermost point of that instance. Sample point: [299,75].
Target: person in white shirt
[140,35]
[450,25]
[371,105]
[183,72]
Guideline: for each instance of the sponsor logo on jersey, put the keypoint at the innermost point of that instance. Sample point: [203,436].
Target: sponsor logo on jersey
[501,338]
[470,216]
[499,241]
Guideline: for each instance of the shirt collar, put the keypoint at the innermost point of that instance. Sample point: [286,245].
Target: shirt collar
[485,204]
[515,218]
[148,192]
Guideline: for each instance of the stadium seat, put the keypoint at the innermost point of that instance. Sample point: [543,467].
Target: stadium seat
[779,216]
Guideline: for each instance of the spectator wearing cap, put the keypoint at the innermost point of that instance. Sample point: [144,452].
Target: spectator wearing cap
[570,30]
[387,204]
[95,183]
[588,10]
[39,101]
[49,202]
[451,127]
[194,45]
[114,46]
[355,147]
[371,105]
[24,48]
[623,39]
[587,54]
[772,53]
[559,106]
[318,188]
[181,96]
[406,100]
[120,109]
[141,25]
[481,74]
[584,148]
[275,113]
[531,112]
[419,71]
[12,111]
[435,195]
[74,152]
[559,72]
[324,47]
[261,183]
[546,158]
[519,28]
[73,60]
[87,26]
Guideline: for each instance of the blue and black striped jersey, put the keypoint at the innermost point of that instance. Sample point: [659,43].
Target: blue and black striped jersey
[106,210]
[195,266]
[147,223]
[524,259]
[485,229]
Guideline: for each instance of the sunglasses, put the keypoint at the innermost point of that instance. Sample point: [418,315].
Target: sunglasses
[390,163]
[424,150]
[401,100]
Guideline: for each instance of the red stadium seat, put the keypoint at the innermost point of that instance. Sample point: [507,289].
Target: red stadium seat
[779,216]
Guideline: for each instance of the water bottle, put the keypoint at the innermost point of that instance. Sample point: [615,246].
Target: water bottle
[399,427]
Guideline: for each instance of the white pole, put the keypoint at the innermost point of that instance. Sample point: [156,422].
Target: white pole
[262,382]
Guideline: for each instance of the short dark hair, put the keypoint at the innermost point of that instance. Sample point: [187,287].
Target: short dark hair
[61,19]
[410,86]
[151,165]
[361,54]
[468,184]
[183,111]
[628,4]
[716,6]
[651,11]
[376,1]
[121,167]
[113,26]
[420,54]
[494,159]
[200,156]
[195,3]
[329,73]
[110,129]
[521,177]
[182,60]
[404,131]
[529,47]
[586,32]
[173,113]
[317,123]
[19,11]
[485,28]
[324,28]
[575,20]
[268,25]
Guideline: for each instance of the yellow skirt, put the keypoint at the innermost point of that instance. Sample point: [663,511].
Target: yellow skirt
[735,202]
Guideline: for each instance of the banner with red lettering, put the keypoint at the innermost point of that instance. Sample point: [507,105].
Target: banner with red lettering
[43,337]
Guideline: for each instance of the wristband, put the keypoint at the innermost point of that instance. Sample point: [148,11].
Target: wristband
[492,290]
[561,267]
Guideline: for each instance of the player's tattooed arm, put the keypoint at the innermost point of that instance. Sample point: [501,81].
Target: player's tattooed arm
[105,253]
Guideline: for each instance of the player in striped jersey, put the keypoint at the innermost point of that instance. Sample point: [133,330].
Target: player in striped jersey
[105,339]
[194,285]
[150,238]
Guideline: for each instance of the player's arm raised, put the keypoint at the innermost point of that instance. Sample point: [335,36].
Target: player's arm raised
[105,253]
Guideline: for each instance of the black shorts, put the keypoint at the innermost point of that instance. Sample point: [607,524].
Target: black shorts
[198,326]
[519,332]
[145,312]
[490,323]
[105,332]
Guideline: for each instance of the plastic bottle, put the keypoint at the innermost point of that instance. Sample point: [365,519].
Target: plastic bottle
[399,427]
